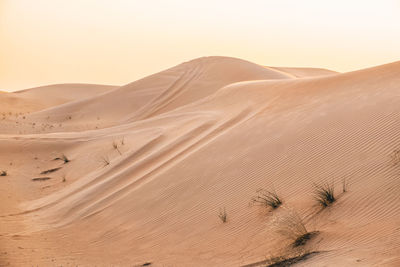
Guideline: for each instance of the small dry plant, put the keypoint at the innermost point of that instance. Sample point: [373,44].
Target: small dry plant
[345,184]
[289,259]
[267,198]
[222,215]
[63,158]
[116,147]
[290,225]
[395,157]
[324,194]
[105,160]
[41,178]
[50,170]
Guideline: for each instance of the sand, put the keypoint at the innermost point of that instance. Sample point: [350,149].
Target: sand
[153,162]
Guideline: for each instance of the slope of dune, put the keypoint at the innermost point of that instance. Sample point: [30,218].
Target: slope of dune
[148,189]
[304,72]
[62,93]
[38,98]
[12,104]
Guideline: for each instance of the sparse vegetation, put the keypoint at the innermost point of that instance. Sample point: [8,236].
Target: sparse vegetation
[64,179]
[324,194]
[105,160]
[116,147]
[41,178]
[395,157]
[301,240]
[50,170]
[290,225]
[267,198]
[222,215]
[3,173]
[63,158]
[288,260]
[344,185]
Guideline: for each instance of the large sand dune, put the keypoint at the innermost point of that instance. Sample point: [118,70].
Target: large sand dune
[153,162]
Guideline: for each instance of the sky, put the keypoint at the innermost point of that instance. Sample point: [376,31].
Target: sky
[118,41]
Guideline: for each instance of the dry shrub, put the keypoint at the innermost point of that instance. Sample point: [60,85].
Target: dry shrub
[105,160]
[222,215]
[289,259]
[116,146]
[395,157]
[324,194]
[50,170]
[267,198]
[290,225]
[63,158]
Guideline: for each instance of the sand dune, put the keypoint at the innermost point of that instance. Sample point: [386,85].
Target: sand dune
[39,98]
[162,92]
[153,162]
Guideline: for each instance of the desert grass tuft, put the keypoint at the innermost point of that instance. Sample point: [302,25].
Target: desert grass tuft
[302,240]
[291,226]
[41,178]
[288,260]
[285,258]
[105,160]
[344,185]
[3,173]
[324,194]
[267,198]
[63,158]
[395,157]
[116,147]
[222,215]
[50,170]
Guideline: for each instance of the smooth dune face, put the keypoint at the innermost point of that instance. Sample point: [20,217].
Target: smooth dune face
[304,72]
[152,163]
[39,98]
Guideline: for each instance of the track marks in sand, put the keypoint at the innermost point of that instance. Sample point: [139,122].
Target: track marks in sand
[169,94]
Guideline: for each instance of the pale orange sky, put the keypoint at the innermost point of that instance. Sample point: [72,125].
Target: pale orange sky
[119,41]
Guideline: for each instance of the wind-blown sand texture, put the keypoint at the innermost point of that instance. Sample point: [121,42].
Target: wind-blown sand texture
[153,162]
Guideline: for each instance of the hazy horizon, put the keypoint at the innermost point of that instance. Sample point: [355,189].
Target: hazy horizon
[116,42]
